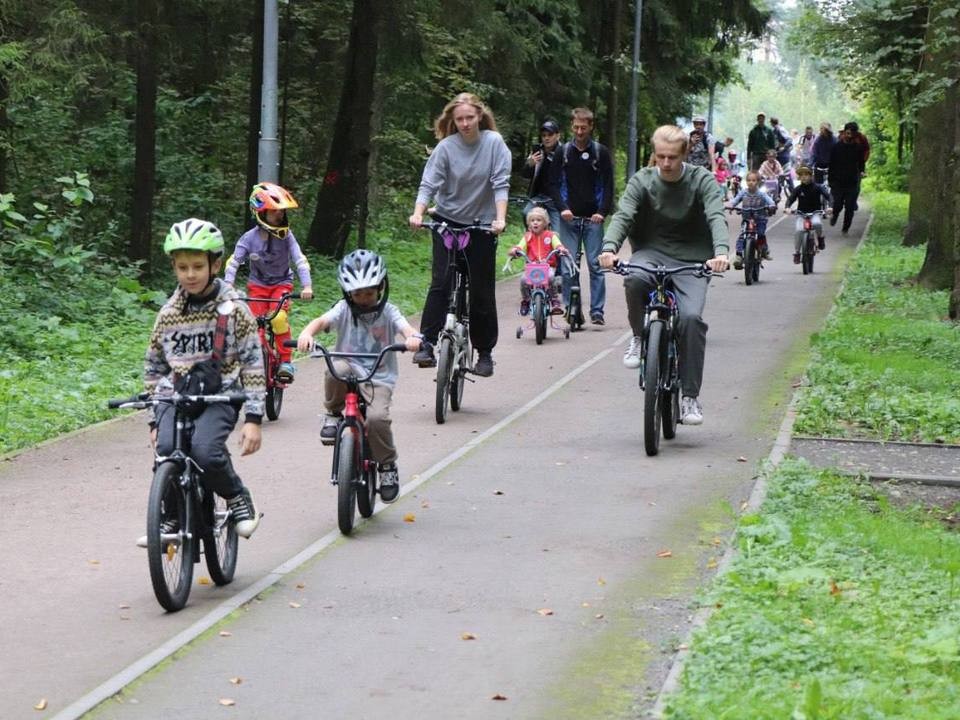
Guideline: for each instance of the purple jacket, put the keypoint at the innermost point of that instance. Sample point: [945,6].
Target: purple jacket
[270,259]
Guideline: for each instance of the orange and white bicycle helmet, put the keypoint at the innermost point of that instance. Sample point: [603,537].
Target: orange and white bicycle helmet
[270,196]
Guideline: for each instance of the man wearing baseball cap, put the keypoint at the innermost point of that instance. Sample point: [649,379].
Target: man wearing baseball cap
[538,169]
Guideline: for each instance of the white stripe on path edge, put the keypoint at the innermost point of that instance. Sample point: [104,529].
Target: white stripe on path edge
[780,447]
[139,667]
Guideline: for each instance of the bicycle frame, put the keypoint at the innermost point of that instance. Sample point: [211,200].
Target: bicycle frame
[268,337]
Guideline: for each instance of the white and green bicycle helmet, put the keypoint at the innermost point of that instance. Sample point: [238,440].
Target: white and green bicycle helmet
[194,234]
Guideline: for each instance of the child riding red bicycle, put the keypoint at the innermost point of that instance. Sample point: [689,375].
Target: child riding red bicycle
[271,249]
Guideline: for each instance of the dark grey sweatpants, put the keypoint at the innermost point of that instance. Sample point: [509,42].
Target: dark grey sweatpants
[208,446]
[691,295]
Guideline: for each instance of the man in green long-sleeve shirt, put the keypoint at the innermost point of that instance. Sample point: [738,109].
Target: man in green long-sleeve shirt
[673,214]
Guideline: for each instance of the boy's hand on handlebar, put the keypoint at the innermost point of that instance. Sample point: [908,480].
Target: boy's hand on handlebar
[306,293]
[249,438]
[607,260]
[305,342]
[412,343]
[719,264]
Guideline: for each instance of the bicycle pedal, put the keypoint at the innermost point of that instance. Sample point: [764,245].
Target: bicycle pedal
[328,441]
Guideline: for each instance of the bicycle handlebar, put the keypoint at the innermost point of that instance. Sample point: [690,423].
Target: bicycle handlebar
[697,270]
[440,226]
[279,301]
[319,350]
[145,400]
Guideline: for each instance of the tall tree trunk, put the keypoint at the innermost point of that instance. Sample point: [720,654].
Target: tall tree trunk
[346,181]
[954,309]
[146,18]
[614,24]
[253,107]
[5,139]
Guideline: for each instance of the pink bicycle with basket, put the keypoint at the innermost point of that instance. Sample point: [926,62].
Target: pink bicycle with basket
[539,279]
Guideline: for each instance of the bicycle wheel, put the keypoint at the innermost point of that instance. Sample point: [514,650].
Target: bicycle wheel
[670,409]
[444,374]
[219,540]
[274,401]
[539,318]
[757,261]
[749,248]
[170,555]
[651,389]
[346,479]
[806,256]
[367,492]
[457,381]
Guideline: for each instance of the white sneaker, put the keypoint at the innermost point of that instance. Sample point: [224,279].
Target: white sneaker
[691,412]
[631,358]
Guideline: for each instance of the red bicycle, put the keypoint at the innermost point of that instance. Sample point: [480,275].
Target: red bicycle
[271,353]
[354,469]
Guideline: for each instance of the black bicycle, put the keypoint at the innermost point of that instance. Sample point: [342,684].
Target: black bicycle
[454,350]
[574,313]
[181,511]
[271,355]
[808,245]
[752,252]
[660,352]
[354,469]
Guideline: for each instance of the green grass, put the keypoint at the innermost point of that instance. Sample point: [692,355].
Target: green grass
[887,363]
[63,382]
[837,606]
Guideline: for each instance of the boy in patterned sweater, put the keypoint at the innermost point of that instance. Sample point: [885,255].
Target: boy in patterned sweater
[183,335]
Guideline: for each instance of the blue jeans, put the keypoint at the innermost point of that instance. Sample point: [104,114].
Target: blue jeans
[592,234]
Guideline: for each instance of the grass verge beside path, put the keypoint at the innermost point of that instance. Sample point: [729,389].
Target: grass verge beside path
[887,365]
[839,605]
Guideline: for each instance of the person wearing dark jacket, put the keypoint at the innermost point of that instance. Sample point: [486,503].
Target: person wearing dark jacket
[846,168]
[538,168]
[582,186]
[822,147]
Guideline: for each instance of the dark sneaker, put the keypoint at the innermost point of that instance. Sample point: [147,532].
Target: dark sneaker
[424,356]
[556,307]
[821,243]
[597,318]
[524,307]
[845,231]
[484,366]
[243,514]
[328,433]
[285,372]
[738,262]
[389,482]
[167,527]
[796,258]
[765,254]
[833,220]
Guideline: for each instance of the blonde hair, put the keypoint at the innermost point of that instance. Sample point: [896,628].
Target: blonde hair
[540,213]
[444,125]
[670,135]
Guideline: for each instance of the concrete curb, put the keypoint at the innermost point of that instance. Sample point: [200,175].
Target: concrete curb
[780,447]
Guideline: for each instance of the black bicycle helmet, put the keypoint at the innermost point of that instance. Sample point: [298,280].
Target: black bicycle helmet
[363,269]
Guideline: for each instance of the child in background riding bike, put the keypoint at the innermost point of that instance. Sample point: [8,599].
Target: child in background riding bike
[537,243]
[271,249]
[810,197]
[181,344]
[365,323]
[770,172]
[753,198]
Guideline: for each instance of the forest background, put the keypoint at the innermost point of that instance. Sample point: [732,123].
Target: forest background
[118,119]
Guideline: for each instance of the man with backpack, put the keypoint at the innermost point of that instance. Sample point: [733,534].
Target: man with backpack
[582,187]
[701,149]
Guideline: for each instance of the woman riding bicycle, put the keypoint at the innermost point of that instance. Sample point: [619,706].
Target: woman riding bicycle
[365,323]
[271,249]
[673,214]
[468,177]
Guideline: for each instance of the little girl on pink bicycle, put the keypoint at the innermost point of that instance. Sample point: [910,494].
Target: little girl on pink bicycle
[537,245]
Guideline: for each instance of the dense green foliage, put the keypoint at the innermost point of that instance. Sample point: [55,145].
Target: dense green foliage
[838,606]
[886,365]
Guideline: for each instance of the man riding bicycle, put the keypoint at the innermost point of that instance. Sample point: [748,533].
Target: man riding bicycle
[673,214]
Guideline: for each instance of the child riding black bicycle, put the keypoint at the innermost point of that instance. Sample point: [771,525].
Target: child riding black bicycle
[364,323]
[180,358]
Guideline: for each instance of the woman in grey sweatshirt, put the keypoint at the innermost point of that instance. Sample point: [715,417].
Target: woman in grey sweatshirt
[468,178]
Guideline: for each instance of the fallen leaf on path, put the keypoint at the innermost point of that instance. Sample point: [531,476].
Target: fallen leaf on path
[559,463]
[796,384]
[808,621]
[124,606]
[683,646]
[468,636]
[225,633]
[584,604]
[42,705]
[498,492]
[717,541]
[227,702]
[425,504]
[652,503]
[294,605]
[712,563]
[741,459]
[834,588]
[93,562]
[601,581]
[204,580]
[236,680]
[498,696]
[744,505]
[544,611]
[300,586]
[665,554]
[409,517]
[599,616]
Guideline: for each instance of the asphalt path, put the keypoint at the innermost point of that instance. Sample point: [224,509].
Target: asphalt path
[537,555]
